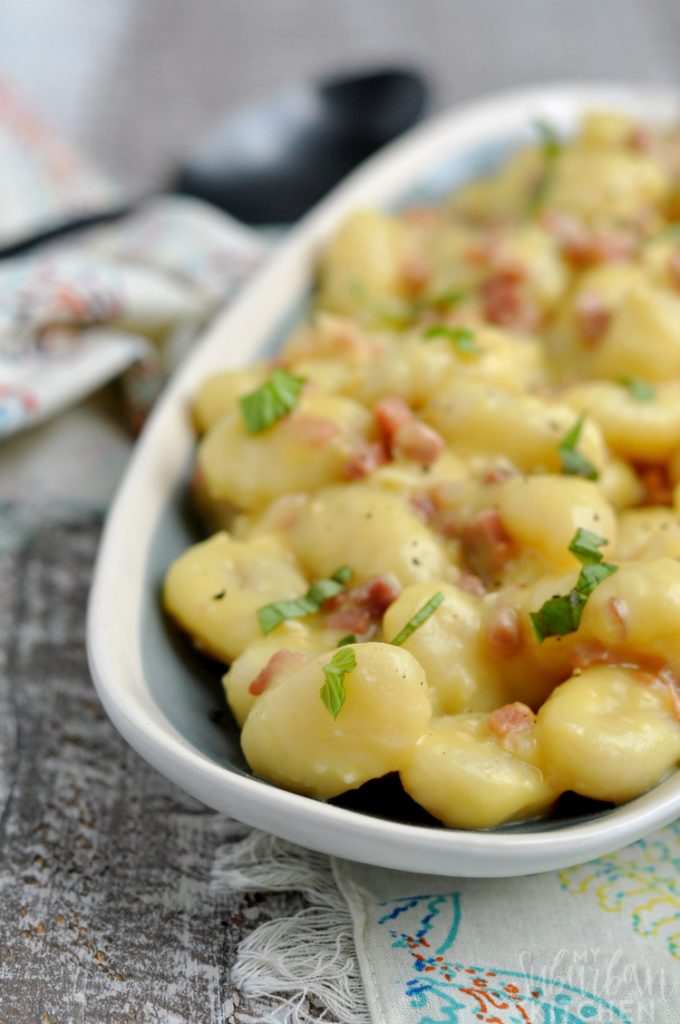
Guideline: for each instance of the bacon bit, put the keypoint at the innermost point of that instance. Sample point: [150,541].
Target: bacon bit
[592,317]
[421,216]
[487,544]
[593,249]
[511,718]
[390,414]
[506,303]
[492,251]
[415,273]
[498,474]
[354,620]
[645,678]
[339,336]
[423,505]
[583,248]
[589,653]
[610,247]
[594,652]
[415,440]
[377,594]
[314,430]
[406,434]
[657,485]
[674,268]
[504,633]
[641,139]
[281,663]
[472,584]
[674,694]
[366,460]
[668,677]
[449,524]
[619,611]
[358,609]
[478,253]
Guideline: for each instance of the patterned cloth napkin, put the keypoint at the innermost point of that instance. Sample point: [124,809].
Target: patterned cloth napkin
[596,944]
[76,313]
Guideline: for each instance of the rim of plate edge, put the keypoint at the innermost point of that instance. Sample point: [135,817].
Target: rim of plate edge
[348,833]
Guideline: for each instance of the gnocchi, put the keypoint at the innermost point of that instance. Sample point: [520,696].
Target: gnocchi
[452,552]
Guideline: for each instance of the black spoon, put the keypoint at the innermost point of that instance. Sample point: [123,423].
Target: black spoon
[268,163]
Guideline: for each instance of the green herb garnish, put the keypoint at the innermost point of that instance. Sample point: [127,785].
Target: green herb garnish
[550,148]
[669,233]
[585,544]
[638,389]
[572,461]
[561,614]
[350,638]
[443,300]
[462,337]
[421,616]
[271,401]
[403,315]
[333,692]
[272,615]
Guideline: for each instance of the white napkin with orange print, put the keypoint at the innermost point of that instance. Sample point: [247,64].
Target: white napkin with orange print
[78,311]
[595,944]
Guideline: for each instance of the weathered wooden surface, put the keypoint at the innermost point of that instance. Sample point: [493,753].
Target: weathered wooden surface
[105,909]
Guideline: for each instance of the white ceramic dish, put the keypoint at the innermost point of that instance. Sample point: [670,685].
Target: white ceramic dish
[156,697]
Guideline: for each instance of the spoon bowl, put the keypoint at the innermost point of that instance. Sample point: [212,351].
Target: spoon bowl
[270,162]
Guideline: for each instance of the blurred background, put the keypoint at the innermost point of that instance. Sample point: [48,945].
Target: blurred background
[134,82]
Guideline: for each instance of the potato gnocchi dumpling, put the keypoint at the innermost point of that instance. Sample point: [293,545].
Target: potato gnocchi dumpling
[448,512]
[462,774]
[447,646]
[609,733]
[371,528]
[214,589]
[307,451]
[272,657]
[291,738]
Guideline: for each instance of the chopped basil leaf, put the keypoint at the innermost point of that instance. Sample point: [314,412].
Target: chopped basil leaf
[444,300]
[421,616]
[332,692]
[561,614]
[584,545]
[550,147]
[591,575]
[572,461]
[349,639]
[272,615]
[549,139]
[462,337]
[669,233]
[271,401]
[638,389]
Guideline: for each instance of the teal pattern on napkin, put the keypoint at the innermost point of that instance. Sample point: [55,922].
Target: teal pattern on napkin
[460,993]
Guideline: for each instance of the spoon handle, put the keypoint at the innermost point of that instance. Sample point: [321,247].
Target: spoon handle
[65,227]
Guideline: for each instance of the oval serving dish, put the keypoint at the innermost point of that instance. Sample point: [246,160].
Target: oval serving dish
[159,695]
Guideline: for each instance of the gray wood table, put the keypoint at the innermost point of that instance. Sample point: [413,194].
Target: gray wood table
[106,909]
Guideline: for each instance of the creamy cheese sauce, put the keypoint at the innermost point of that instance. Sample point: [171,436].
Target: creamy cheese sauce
[479,426]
